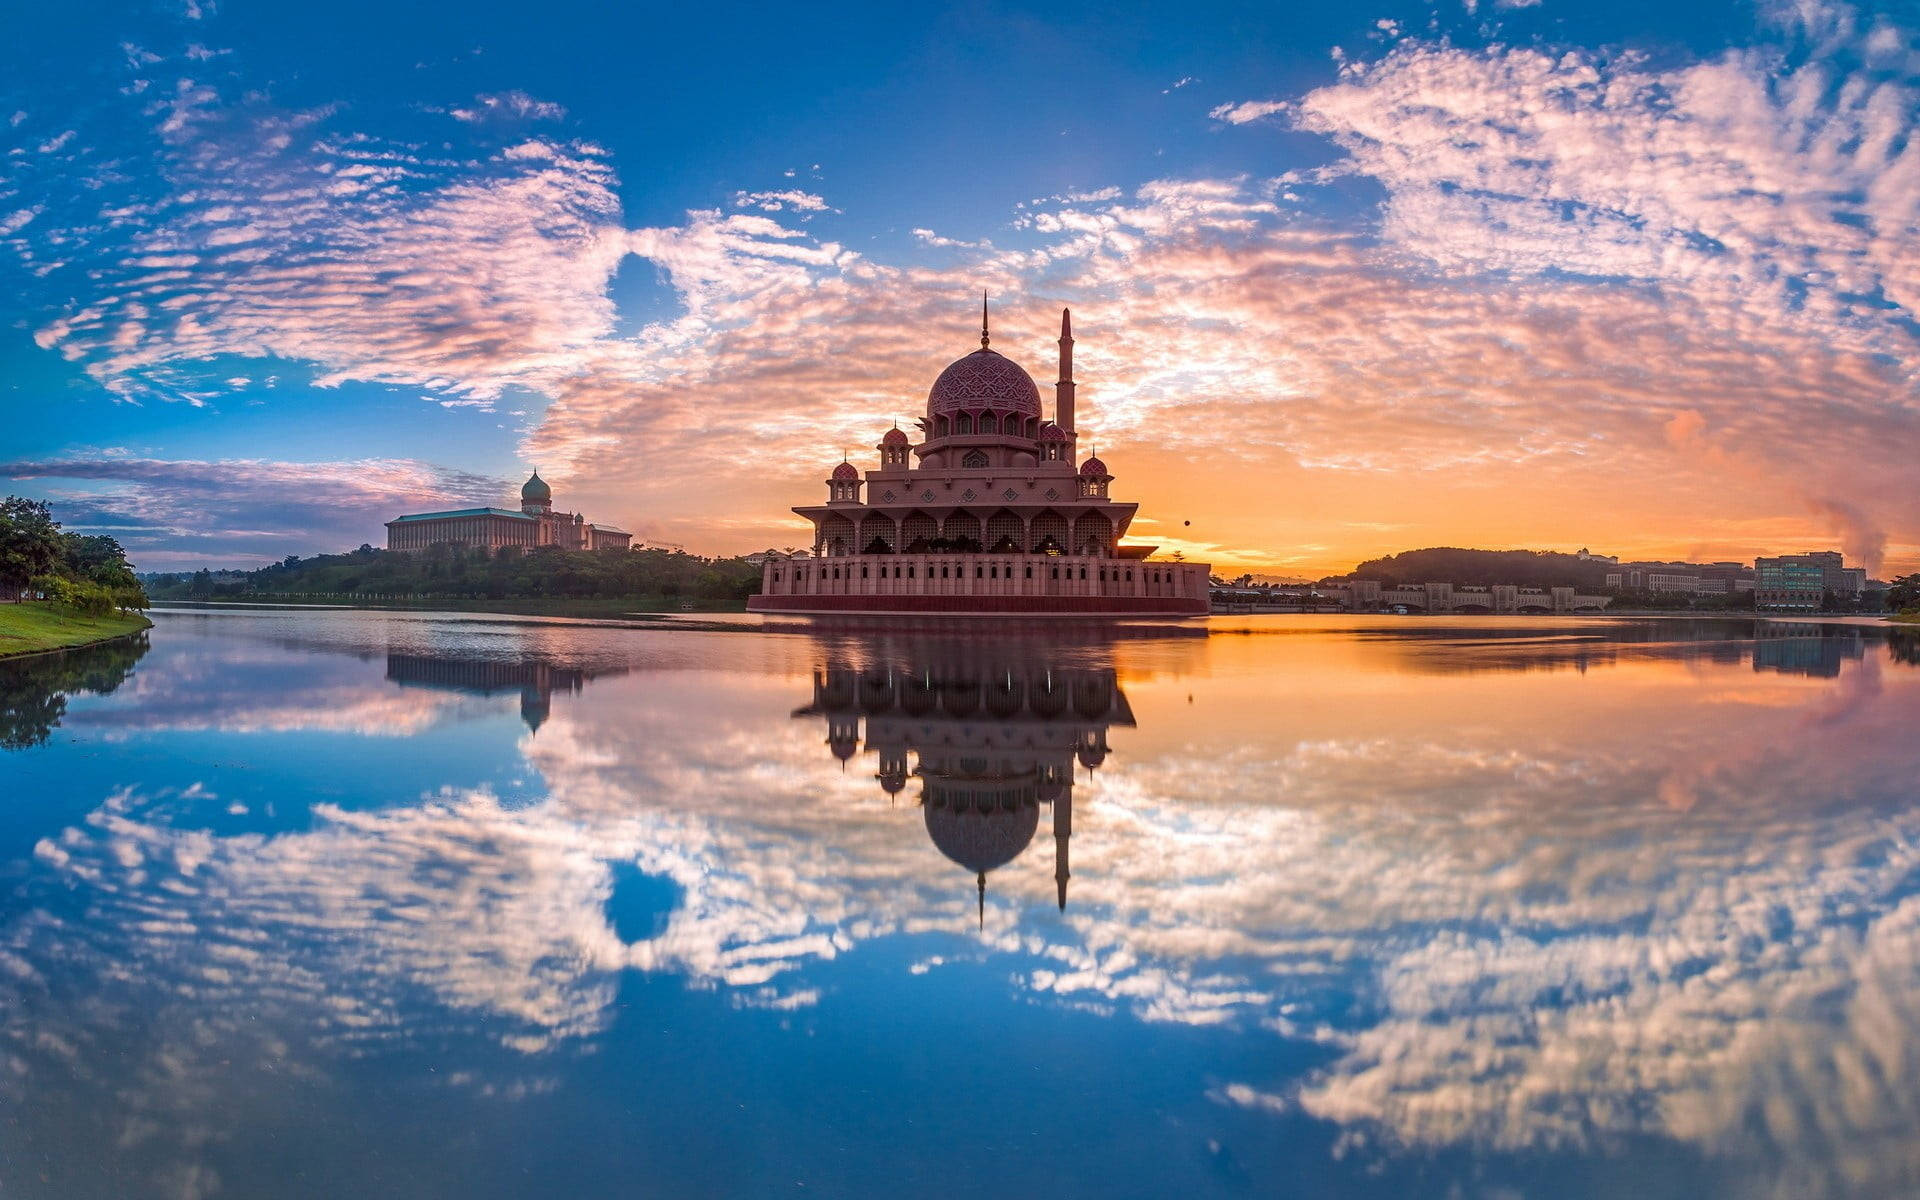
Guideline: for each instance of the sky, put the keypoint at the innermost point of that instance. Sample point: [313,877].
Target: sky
[1346,279]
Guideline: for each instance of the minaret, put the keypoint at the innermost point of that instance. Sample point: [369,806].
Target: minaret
[1062,831]
[1063,390]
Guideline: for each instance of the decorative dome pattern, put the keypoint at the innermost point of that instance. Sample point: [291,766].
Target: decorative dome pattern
[984,379]
[1053,433]
[894,437]
[982,840]
[1093,467]
[536,489]
[846,471]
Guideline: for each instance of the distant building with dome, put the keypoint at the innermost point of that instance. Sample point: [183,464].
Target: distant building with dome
[998,517]
[534,525]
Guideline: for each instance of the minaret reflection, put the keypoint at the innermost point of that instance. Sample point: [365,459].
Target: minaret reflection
[994,744]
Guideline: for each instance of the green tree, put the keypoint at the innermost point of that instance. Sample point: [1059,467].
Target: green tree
[30,544]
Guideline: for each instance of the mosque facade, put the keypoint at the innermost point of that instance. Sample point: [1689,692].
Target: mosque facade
[991,512]
[533,525]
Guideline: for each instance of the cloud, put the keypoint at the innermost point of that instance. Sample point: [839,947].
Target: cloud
[243,511]
[1582,265]
[1743,178]
[1247,111]
[511,105]
[365,258]
[782,201]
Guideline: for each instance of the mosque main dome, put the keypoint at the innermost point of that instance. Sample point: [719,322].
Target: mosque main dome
[984,379]
[981,839]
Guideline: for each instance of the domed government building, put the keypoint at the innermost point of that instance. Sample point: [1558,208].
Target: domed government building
[536,524]
[990,513]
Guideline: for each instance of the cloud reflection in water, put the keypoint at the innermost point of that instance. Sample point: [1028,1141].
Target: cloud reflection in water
[1518,909]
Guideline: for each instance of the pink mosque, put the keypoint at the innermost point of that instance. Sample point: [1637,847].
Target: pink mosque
[998,517]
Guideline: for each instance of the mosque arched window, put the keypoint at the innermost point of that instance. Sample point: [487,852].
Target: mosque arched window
[988,424]
[963,423]
[974,458]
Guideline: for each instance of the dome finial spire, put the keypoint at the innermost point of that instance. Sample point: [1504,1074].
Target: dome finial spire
[983,318]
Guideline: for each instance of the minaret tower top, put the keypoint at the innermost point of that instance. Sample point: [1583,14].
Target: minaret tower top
[1063,390]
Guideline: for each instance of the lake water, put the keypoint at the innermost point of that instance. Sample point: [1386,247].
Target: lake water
[345,903]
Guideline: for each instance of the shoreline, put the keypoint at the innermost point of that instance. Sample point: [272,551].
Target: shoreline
[1202,625]
[52,631]
[634,607]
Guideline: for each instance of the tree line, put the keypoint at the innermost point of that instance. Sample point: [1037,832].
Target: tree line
[444,570]
[1456,565]
[88,573]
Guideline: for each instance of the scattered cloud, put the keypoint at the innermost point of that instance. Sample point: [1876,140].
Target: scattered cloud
[784,201]
[1247,111]
[169,513]
[511,105]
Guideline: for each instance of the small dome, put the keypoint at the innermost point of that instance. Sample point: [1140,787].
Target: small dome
[1093,466]
[984,379]
[536,489]
[1053,433]
[894,437]
[845,471]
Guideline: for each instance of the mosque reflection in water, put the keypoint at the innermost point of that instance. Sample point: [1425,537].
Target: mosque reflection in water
[536,680]
[993,744]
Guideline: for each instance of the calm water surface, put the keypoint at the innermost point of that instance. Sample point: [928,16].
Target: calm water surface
[334,903]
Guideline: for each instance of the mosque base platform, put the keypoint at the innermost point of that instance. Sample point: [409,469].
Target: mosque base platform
[981,585]
[1094,607]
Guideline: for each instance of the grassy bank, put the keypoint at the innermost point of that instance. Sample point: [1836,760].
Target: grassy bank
[32,628]
[1909,617]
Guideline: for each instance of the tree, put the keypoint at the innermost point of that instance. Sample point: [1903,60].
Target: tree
[30,543]
[1904,593]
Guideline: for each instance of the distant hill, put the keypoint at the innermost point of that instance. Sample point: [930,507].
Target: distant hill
[1453,564]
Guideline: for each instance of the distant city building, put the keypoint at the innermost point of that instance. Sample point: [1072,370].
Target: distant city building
[533,526]
[1725,578]
[1369,595]
[1585,556]
[1653,577]
[1801,581]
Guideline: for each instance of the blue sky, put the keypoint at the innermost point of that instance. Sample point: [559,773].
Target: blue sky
[1348,279]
